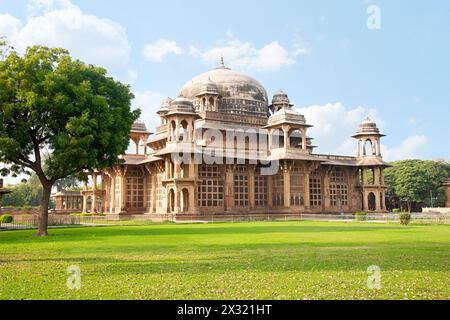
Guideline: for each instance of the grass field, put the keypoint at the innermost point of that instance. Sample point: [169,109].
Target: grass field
[264,260]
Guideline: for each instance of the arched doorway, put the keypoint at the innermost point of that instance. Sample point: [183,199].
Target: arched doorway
[184,200]
[171,200]
[372,201]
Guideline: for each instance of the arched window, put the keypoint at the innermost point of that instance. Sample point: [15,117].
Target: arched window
[372,201]
[368,148]
[183,132]
[171,204]
[184,200]
[173,127]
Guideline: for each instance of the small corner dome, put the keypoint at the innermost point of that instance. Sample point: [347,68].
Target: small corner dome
[139,126]
[280,97]
[209,87]
[182,101]
[181,105]
[368,127]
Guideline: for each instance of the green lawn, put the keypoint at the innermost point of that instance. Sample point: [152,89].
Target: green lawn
[266,260]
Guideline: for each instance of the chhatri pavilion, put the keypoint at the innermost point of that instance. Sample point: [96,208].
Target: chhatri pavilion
[260,159]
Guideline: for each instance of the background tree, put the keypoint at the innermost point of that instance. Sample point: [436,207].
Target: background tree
[70,183]
[25,194]
[72,112]
[417,183]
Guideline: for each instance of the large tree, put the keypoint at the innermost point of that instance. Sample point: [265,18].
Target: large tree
[59,117]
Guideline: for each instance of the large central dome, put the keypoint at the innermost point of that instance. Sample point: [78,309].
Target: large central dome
[239,94]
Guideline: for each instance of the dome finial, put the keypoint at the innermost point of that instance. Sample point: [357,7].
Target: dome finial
[222,63]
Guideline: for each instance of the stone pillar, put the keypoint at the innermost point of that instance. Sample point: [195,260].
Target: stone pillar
[326,191]
[376,176]
[146,204]
[123,194]
[94,194]
[377,201]
[359,148]
[137,146]
[167,171]
[304,141]
[287,142]
[154,184]
[177,130]
[270,191]
[287,187]
[251,186]
[112,206]
[365,201]
[84,203]
[269,132]
[379,147]
[364,176]
[192,202]
[229,188]
[383,201]
[307,199]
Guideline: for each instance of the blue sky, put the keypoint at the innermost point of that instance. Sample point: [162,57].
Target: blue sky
[334,68]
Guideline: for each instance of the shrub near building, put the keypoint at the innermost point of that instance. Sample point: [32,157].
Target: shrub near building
[6,218]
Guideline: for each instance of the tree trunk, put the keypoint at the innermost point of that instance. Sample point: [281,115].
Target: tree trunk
[43,214]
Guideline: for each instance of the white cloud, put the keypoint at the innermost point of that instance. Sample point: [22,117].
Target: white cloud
[411,148]
[9,25]
[156,51]
[239,54]
[59,23]
[334,124]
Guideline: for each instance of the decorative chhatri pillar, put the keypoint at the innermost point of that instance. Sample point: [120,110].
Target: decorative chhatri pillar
[94,193]
[304,141]
[365,201]
[251,186]
[287,142]
[287,185]
[112,207]
[270,191]
[307,201]
[229,188]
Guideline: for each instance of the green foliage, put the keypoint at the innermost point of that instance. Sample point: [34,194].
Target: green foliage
[396,210]
[72,108]
[48,101]
[417,182]
[405,218]
[70,183]
[361,216]
[25,194]
[6,218]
